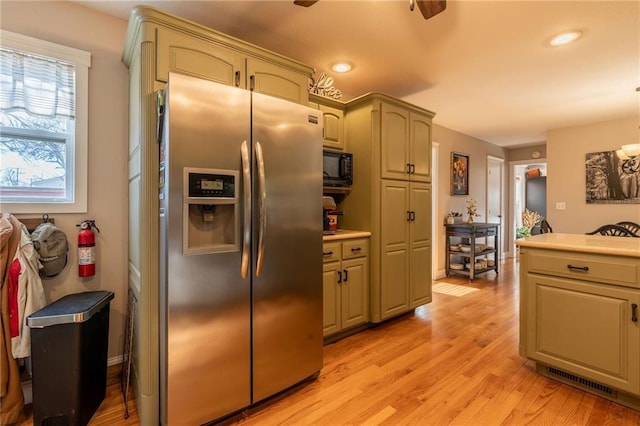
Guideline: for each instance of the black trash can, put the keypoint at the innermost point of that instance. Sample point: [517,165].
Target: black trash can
[69,340]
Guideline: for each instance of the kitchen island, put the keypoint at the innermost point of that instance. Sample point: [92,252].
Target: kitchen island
[579,300]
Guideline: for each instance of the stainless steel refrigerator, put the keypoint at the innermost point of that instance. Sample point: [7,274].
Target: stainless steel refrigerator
[241,248]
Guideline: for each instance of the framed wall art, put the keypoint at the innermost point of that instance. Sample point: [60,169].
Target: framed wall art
[459,173]
[611,180]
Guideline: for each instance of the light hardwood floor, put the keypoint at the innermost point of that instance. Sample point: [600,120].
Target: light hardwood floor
[452,362]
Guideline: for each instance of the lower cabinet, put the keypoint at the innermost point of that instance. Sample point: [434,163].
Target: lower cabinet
[345,285]
[579,320]
[585,328]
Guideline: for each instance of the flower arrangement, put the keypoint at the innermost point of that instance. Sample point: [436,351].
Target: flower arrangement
[529,220]
[472,209]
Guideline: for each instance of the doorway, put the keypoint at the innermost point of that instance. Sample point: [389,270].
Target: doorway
[518,175]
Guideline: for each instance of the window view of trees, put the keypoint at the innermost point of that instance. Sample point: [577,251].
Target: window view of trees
[34,154]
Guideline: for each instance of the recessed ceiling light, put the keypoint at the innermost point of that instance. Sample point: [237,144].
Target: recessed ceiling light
[342,67]
[565,38]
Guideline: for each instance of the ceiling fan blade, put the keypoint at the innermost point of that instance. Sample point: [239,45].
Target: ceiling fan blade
[430,8]
[305,3]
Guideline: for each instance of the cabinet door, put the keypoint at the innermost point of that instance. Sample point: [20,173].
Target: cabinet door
[333,127]
[394,268]
[276,81]
[185,54]
[330,298]
[394,142]
[420,147]
[355,292]
[585,329]
[420,243]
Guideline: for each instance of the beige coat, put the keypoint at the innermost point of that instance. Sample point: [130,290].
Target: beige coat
[11,398]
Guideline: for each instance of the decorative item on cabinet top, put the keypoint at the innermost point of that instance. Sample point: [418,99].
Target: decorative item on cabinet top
[323,86]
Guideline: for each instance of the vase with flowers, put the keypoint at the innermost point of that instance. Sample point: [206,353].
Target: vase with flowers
[472,210]
[529,220]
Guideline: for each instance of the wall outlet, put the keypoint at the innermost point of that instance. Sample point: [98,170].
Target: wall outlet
[561,206]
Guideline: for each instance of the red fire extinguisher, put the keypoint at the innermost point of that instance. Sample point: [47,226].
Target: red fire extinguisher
[87,248]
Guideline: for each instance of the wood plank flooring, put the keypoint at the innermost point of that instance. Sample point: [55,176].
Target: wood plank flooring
[452,362]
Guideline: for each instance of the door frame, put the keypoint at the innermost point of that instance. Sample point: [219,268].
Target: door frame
[500,162]
[435,152]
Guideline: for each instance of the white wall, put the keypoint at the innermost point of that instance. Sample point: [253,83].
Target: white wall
[103,36]
[566,181]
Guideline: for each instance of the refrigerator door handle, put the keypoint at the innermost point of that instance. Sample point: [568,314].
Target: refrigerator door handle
[246,231]
[262,208]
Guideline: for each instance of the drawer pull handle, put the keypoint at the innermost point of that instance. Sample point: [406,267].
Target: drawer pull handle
[327,253]
[634,312]
[339,277]
[346,275]
[578,268]
[355,249]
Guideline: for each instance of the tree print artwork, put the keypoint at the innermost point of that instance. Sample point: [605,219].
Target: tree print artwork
[608,181]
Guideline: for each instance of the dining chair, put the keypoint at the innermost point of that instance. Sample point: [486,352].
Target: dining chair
[545,228]
[631,226]
[613,230]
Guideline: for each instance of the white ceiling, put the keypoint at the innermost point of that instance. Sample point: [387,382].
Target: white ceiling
[483,67]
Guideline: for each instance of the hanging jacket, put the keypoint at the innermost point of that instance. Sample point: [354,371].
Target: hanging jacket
[29,296]
[11,397]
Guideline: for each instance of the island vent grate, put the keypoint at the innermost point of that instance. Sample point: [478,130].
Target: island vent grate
[581,381]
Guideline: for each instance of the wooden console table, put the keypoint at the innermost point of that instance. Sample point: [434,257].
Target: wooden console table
[469,252]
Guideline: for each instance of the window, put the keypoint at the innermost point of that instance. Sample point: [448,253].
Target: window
[43,126]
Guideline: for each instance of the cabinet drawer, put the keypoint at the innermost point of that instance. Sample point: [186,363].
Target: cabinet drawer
[588,267]
[331,252]
[355,248]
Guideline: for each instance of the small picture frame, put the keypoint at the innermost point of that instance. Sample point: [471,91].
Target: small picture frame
[459,173]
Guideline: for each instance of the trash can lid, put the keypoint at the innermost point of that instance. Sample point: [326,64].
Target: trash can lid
[72,308]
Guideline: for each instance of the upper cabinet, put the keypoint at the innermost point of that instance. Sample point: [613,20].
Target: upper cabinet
[185,47]
[405,143]
[333,114]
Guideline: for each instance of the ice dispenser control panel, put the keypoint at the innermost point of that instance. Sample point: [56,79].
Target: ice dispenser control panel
[211,185]
[210,211]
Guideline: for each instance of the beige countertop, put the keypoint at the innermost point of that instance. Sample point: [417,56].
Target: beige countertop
[343,234]
[600,244]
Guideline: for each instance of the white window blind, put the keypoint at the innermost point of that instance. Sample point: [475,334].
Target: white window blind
[38,85]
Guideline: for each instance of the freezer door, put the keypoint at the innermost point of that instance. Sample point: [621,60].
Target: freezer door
[205,329]
[287,287]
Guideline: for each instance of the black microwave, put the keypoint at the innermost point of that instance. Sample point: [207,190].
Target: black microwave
[337,168]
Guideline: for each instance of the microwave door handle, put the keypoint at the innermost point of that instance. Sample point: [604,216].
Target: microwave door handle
[262,228]
[246,231]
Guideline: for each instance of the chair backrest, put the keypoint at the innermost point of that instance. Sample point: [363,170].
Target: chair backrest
[613,230]
[631,226]
[545,227]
